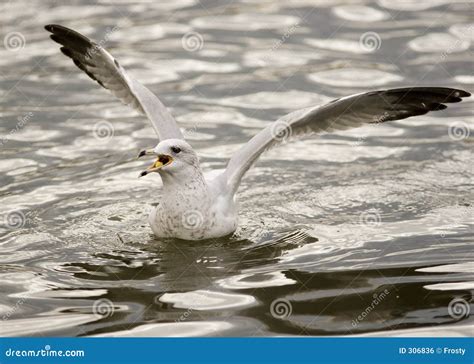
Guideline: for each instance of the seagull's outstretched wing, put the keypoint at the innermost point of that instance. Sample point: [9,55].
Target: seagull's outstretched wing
[99,65]
[340,114]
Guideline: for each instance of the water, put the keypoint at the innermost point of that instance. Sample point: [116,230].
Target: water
[367,231]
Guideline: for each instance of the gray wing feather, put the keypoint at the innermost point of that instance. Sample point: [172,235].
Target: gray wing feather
[99,65]
[345,113]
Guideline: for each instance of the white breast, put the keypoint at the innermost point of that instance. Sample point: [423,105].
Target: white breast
[191,216]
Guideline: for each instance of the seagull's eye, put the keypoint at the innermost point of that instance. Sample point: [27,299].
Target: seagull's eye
[175,150]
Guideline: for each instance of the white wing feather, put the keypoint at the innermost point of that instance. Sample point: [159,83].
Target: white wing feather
[103,68]
[340,114]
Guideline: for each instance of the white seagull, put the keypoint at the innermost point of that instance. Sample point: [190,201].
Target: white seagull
[193,207]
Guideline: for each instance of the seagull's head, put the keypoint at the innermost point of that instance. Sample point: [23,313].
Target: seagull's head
[172,156]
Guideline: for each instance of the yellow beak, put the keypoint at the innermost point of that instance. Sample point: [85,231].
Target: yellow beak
[161,161]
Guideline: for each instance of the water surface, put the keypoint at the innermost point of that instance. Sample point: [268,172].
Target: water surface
[367,231]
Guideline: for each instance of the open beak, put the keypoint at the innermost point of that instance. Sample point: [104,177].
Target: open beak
[161,161]
[145,152]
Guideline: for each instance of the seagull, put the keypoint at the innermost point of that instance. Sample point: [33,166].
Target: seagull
[194,207]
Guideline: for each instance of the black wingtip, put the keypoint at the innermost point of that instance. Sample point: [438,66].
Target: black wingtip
[56,38]
[457,93]
[66,52]
[462,93]
[50,27]
[439,107]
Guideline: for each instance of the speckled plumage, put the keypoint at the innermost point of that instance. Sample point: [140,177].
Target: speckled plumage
[191,207]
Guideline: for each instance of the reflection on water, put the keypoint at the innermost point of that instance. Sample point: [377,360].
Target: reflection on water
[367,231]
